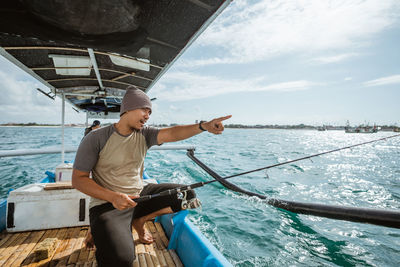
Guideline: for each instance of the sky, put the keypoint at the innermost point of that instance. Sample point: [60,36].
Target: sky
[264,62]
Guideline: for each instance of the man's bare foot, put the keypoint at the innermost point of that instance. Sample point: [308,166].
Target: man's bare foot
[144,235]
[89,243]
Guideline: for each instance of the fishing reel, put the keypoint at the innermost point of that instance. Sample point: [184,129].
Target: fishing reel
[188,204]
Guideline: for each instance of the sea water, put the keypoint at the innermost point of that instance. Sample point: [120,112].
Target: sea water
[246,230]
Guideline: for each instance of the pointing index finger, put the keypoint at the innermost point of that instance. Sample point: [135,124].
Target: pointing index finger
[223,118]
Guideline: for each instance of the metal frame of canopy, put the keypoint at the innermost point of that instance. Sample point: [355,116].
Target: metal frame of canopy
[167,37]
[40,38]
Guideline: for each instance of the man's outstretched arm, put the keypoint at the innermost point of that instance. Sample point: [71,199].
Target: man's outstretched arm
[182,132]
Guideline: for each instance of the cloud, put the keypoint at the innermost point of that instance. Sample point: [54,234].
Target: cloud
[173,108]
[248,31]
[348,78]
[21,102]
[179,86]
[383,81]
[333,59]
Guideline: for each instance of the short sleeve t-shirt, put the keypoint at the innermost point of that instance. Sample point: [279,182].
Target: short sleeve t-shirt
[116,161]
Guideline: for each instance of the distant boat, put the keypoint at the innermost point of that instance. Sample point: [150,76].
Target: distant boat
[361,129]
[322,128]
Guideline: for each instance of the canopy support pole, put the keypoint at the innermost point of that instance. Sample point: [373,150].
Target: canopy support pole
[95,67]
[62,128]
[87,119]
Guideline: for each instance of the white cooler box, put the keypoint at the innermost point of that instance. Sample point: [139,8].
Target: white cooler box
[33,208]
[63,172]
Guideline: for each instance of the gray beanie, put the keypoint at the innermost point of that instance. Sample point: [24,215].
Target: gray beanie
[133,99]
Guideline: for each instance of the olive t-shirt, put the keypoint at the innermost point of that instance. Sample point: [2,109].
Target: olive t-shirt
[116,161]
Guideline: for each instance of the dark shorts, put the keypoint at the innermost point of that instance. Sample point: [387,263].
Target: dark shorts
[111,228]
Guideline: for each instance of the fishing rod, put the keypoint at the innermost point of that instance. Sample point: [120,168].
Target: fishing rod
[373,216]
[223,181]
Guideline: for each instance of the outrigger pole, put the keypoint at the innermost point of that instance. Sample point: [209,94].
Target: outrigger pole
[372,216]
[363,215]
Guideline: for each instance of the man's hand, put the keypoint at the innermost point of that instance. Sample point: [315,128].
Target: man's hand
[215,126]
[122,201]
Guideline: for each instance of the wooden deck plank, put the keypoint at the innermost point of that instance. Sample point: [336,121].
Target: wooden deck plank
[70,251]
[26,248]
[4,238]
[159,246]
[12,247]
[151,248]
[149,260]
[161,233]
[9,239]
[92,255]
[136,262]
[175,258]
[135,240]
[139,250]
[64,255]
[161,258]
[152,254]
[142,260]
[151,227]
[168,258]
[3,234]
[163,244]
[78,246]
[30,260]
[148,256]
[59,235]
[61,248]
[140,247]
[159,243]
[84,254]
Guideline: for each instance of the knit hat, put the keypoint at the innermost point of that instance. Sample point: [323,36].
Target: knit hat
[133,99]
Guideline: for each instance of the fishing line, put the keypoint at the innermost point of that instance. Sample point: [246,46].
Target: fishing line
[373,216]
[311,156]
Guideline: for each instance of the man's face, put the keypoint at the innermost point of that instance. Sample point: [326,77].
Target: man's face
[138,117]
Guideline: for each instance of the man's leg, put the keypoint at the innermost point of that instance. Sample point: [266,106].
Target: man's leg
[138,224]
[152,208]
[112,235]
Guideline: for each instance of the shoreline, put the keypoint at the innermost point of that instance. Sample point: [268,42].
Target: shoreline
[41,126]
[242,127]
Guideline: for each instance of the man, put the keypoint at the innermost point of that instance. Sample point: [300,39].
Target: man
[115,156]
[95,125]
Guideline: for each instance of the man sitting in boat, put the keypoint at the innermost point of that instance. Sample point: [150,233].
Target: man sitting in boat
[115,156]
[95,125]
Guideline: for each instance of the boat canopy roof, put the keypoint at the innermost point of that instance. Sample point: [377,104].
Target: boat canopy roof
[91,51]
